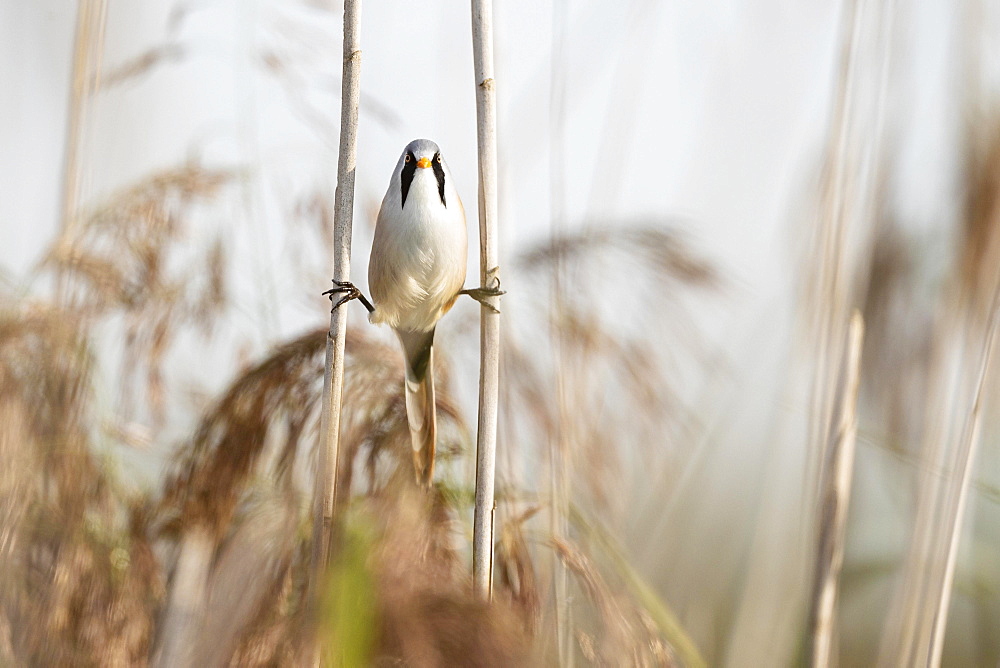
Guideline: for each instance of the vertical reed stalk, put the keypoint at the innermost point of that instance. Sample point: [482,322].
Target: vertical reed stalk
[915,628]
[91,16]
[836,490]
[968,446]
[831,274]
[489,269]
[333,378]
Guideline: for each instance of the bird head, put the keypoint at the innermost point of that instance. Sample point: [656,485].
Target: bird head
[421,160]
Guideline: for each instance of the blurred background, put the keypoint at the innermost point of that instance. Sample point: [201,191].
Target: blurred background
[694,198]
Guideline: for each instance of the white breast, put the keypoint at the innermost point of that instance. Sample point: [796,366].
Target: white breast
[418,256]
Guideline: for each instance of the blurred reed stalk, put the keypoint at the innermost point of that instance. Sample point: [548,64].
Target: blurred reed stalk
[333,377]
[847,228]
[915,629]
[962,339]
[848,224]
[489,270]
[838,470]
[91,17]
[966,455]
[830,290]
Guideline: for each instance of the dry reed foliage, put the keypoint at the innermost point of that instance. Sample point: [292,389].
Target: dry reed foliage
[624,281]
[140,65]
[129,257]
[900,295]
[269,415]
[625,339]
[269,405]
[650,243]
[515,579]
[427,615]
[979,262]
[900,299]
[626,633]
[79,581]
[897,349]
[254,439]
[89,571]
[253,612]
[84,585]
[374,432]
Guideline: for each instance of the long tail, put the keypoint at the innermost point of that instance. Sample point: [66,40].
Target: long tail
[418,348]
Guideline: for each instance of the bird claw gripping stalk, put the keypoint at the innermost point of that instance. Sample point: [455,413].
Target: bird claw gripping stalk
[483,294]
[350,291]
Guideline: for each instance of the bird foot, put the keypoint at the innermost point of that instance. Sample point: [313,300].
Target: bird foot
[350,292]
[481,295]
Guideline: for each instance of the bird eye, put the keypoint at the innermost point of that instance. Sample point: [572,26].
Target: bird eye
[407,158]
[438,157]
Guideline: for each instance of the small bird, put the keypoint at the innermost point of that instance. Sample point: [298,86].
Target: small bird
[416,272]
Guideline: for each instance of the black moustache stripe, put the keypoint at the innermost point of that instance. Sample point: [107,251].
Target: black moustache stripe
[406,177]
[439,174]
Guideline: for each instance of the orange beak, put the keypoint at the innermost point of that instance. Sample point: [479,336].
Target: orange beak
[424,163]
